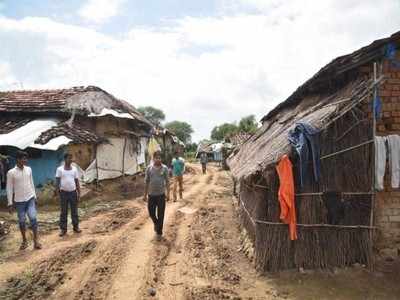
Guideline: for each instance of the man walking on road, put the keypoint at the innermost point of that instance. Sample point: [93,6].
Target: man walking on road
[21,193]
[203,161]
[68,188]
[178,168]
[157,182]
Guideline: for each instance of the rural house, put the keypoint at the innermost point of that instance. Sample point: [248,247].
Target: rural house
[107,136]
[169,144]
[340,215]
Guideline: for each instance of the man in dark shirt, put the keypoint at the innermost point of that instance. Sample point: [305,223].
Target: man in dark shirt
[157,182]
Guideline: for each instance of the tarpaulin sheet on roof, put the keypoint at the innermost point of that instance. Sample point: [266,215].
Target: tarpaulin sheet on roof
[108,112]
[53,144]
[25,136]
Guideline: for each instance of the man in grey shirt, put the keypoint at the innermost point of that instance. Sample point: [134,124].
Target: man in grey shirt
[157,181]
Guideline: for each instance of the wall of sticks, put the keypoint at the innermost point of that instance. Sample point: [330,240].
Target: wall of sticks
[347,160]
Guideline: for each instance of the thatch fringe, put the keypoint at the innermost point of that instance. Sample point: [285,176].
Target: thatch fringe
[315,248]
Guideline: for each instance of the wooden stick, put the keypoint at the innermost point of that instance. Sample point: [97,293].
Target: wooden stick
[347,149]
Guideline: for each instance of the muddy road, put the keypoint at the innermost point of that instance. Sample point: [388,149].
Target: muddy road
[117,256]
[200,257]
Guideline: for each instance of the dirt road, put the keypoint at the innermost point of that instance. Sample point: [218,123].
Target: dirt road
[117,257]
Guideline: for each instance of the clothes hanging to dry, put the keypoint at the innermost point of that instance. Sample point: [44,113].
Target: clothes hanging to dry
[304,140]
[393,142]
[335,206]
[380,161]
[286,195]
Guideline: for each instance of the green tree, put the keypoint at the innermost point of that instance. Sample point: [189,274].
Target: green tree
[221,132]
[248,124]
[191,147]
[182,130]
[154,115]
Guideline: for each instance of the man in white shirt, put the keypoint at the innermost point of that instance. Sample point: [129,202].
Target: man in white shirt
[67,186]
[21,194]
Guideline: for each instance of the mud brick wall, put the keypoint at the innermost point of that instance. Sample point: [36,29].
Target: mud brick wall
[387,213]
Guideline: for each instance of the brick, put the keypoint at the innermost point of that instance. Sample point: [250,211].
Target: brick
[384,219]
[381,128]
[395,93]
[385,93]
[393,81]
[387,114]
[388,106]
[396,113]
[394,218]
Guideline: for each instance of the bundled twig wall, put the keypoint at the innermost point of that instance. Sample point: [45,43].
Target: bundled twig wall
[317,246]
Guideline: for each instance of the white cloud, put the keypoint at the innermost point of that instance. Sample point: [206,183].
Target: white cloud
[100,11]
[7,79]
[205,71]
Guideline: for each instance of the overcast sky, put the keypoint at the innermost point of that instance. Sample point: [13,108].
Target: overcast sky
[201,61]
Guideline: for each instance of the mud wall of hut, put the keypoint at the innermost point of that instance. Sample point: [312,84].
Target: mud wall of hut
[83,154]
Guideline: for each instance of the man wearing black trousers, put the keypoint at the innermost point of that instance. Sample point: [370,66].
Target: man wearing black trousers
[67,181]
[157,182]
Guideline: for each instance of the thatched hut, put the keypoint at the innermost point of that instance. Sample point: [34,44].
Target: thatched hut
[338,102]
[107,136]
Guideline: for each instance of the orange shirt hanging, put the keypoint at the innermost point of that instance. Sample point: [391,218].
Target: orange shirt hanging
[286,195]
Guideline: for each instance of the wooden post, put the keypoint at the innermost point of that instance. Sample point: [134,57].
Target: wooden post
[373,196]
[123,157]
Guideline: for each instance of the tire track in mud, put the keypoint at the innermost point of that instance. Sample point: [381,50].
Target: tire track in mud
[139,269]
[169,270]
[143,265]
[48,275]
[104,276]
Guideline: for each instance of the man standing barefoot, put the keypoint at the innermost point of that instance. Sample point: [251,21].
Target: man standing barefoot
[21,193]
[67,181]
[157,182]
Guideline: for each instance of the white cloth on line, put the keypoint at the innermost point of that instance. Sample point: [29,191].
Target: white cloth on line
[380,161]
[394,158]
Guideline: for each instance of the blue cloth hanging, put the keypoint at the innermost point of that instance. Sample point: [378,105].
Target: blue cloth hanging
[304,139]
[390,54]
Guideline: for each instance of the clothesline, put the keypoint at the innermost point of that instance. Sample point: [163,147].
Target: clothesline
[255,221]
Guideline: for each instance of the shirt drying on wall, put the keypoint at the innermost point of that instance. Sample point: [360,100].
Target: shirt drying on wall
[380,161]
[303,138]
[394,159]
[286,195]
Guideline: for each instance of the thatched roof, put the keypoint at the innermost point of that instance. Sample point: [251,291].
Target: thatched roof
[336,70]
[82,100]
[319,102]
[270,141]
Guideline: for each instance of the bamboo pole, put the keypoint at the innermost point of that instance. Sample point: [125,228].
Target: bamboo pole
[373,196]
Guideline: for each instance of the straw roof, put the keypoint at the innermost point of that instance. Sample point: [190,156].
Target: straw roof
[331,92]
[270,141]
